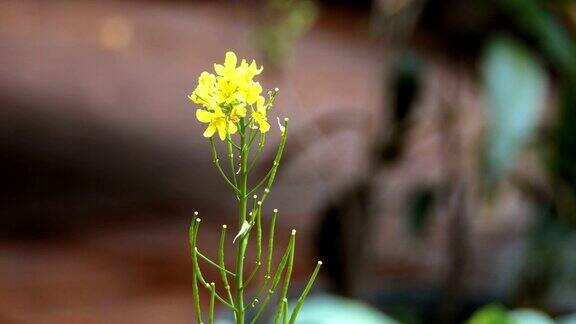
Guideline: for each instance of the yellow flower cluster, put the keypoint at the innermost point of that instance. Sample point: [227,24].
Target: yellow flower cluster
[226,96]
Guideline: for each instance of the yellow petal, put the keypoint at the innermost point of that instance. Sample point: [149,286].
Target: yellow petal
[209,132]
[206,79]
[232,128]
[219,68]
[255,69]
[252,92]
[230,60]
[204,116]
[260,104]
[239,111]
[221,131]
[264,126]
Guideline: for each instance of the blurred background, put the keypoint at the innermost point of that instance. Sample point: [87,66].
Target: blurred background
[431,163]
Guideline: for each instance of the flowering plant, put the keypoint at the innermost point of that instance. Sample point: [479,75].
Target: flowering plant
[232,107]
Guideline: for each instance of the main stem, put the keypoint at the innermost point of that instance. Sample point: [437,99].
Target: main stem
[243,242]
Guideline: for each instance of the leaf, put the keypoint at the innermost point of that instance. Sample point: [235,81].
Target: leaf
[537,19]
[497,314]
[515,87]
[530,316]
[332,309]
[490,314]
[567,319]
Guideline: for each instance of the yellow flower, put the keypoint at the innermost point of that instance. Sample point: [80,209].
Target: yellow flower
[252,91]
[237,113]
[249,71]
[204,92]
[235,83]
[228,70]
[259,115]
[217,122]
[226,95]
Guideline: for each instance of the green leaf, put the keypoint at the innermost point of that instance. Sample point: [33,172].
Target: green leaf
[530,316]
[515,86]
[567,319]
[497,314]
[331,309]
[491,314]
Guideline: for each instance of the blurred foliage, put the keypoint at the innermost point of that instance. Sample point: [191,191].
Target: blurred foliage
[491,314]
[291,20]
[562,153]
[523,55]
[330,309]
[523,47]
[515,89]
[497,314]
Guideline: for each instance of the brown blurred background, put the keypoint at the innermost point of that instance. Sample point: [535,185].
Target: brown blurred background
[102,161]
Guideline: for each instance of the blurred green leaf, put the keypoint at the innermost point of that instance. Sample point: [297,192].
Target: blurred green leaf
[551,35]
[515,85]
[497,314]
[530,316]
[567,319]
[331,309]
[292,19]
[491,314]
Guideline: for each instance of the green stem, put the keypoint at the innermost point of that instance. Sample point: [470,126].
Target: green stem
[305,293]
[269,255]
[270,250]
[197,272]
[261,181]
[276,280]
[230,142]
[211,309]
[205,258]
[216,162]
[288,276]
[206,285]
[222,265]
[243,243]
[252,137]
[257,218]
[259,235]
[257,265]
[285,311]
[231,160]
[258,151]
[196,295]
[272,173]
